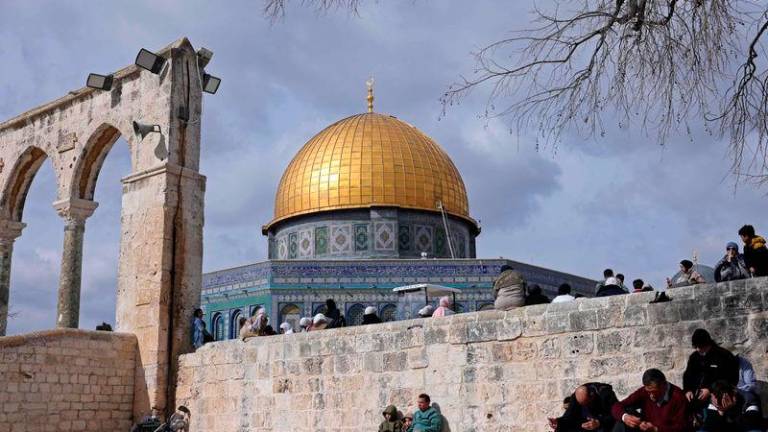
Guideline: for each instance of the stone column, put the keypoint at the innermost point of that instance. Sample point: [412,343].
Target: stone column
[75,212]
[9,232]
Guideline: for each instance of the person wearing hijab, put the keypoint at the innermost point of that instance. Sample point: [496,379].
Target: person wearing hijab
[320,322]
[305,324]
[444,309]
[286,328]
[370,317]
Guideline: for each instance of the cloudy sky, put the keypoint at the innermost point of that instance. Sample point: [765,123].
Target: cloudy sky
[622,201]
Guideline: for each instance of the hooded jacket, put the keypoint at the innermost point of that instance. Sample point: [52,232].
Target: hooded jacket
[392,425]
[756,255]
[509,289]
[731,270]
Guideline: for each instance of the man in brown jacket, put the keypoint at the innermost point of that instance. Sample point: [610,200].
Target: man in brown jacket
[509,289]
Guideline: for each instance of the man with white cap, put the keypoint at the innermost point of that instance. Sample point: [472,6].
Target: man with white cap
[319,322]
[370,317]
[305,324]
[286,328]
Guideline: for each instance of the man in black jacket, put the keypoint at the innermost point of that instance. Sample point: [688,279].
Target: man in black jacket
[709,363]
[755,251]
[730,412]
[589,410]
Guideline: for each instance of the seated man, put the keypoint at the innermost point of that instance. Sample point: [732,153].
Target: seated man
[709,363]
[729,412]
[658,406]
[426,418]
[589,409]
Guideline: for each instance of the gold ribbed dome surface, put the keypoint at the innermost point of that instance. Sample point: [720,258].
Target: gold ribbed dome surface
[370,160]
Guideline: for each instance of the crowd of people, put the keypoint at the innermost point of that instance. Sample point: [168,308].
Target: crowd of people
[718,394]
[511,290]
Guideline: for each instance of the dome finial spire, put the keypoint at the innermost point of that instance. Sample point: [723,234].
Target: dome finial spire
[369,83]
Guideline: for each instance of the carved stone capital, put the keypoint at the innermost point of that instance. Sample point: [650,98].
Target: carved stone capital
[10,231]
[75,210]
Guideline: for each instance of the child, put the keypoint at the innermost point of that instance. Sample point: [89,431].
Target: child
[407,421]
[391,423]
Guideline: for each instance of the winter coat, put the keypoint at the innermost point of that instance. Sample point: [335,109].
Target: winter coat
[428,420]
[610,290]
[335,318]
[600,409]
[371,319]
[393,424]
[734,270]
[703,370]
[509,290]
[756,256]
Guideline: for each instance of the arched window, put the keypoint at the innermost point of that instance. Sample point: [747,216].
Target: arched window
[388,313]
[234,324]
[355,314]
[218,327]
[485,306]
[291,314]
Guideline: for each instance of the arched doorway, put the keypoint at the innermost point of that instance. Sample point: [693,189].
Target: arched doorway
[234,324]
[218,327]
[290,313]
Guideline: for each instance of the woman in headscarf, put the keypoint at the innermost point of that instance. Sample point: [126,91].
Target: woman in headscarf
[286,328]
[305,324]
[444,309]
[320,322]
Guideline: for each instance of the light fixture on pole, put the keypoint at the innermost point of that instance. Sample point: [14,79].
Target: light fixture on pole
[211,83]
[204,56]
[101,82]
[150,61]
[143,130]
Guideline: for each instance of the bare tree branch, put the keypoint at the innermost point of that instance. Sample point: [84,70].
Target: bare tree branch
[651,64]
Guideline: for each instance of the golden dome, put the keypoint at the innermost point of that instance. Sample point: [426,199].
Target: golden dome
[370,160]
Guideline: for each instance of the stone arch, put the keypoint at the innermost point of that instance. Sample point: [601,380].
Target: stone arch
[19,181]
[217,327]
[91,160]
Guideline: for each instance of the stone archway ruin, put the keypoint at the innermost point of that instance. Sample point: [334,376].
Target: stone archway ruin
[160,263]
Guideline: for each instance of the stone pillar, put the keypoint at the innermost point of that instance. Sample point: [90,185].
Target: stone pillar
[75,212]
[9,232]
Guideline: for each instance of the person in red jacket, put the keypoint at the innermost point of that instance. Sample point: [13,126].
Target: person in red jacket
[658,406]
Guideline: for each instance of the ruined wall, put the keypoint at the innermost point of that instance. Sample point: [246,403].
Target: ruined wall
[67,380]
[488,371]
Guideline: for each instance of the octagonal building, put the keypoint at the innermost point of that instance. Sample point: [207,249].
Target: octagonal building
[368,204]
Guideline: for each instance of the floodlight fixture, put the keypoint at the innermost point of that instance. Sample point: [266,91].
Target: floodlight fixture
[150,61]
[101,82]
[143,130]
[204,56]
[211,83]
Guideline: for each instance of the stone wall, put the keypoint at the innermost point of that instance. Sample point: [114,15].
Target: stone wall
[67,380]
[488,371]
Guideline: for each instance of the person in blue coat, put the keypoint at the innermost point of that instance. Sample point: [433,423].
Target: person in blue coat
[426,418]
